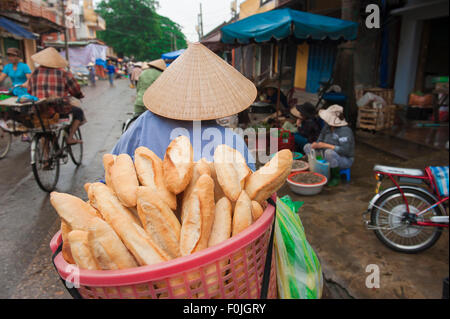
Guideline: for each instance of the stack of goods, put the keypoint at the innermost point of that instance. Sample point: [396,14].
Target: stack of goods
[151,211]
[376,110]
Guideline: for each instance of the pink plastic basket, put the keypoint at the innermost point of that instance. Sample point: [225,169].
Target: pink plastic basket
[231,270]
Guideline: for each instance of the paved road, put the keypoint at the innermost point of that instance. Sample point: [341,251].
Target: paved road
[27,220]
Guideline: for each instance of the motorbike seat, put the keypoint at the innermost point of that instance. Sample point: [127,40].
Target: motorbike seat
[399,171]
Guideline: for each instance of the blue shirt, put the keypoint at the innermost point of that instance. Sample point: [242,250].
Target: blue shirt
[17,76]
[111,69]
[156,133]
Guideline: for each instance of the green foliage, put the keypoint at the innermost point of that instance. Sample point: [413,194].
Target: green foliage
[134,29]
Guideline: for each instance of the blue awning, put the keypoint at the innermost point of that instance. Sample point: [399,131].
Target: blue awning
[172,55]
[16,29]
[279,24]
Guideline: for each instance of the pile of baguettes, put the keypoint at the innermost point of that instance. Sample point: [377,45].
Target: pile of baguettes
[154,210]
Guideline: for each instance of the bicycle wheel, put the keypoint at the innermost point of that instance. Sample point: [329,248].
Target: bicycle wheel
[45,161]
[5,143]
[393,228]
[76,150]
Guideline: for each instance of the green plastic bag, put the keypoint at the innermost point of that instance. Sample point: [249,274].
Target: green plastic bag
[299,274]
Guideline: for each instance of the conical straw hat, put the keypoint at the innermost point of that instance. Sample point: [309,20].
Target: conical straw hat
[50,58]
[199,85]
[159,64]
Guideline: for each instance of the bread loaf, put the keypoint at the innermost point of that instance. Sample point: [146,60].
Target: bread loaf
[145,251]
[242,217]
[124,180]
[257,210]
[269,178]
[201,167]
[66,252]
[231,170]
[149,169]
[107,248]
[72,210]
[221,229]
[159,221]
[218,192]
[81,250]
[108,162]
[100,187]
[178,164]
[199,216]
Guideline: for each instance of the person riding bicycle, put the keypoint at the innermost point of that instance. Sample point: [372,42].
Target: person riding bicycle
[147,77]
[336,140]
[51,81]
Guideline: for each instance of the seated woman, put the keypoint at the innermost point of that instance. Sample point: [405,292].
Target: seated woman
[308,125]
[336,140]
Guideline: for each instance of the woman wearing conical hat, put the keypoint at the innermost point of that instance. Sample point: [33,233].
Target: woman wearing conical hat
[186,99]
[149,74]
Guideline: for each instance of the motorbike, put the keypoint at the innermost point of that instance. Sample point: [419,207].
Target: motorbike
[410,216]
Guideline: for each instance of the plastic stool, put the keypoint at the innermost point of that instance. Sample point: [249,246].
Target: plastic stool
[346,172]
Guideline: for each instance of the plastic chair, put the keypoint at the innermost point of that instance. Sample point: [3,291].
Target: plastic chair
[346,172]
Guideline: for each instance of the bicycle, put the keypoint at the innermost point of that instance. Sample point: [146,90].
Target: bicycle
[48,144]
[49,148]
[407,218]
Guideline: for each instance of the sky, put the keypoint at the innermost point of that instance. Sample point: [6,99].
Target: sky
[184,12]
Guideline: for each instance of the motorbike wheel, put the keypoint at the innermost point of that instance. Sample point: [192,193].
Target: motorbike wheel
[391,228]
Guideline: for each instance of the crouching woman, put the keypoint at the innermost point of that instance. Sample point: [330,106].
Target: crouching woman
[336,141]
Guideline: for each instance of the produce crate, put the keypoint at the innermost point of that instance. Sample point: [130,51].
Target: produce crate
[386,94]
[376,119]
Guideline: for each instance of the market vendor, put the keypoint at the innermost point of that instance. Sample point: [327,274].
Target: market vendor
[17,71]
[308,125]
[147,77]
[198,88]
[336,141]
[271,96]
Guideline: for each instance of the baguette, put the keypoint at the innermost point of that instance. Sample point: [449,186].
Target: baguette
[124,180]
[199,217]
[221,229]
[104,215]
[269,178]
[159,221]
[72,210]
[201,167]
[108,162]
[107,248]
[218,192]
[178,164]
[66,252]
[257,210]
[132,235]
[231,170]
[242,217]
[149,169]
[81,250]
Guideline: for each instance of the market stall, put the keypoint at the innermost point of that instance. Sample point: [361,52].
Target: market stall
[287,27]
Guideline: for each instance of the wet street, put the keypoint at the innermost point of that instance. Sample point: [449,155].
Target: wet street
[27,220]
